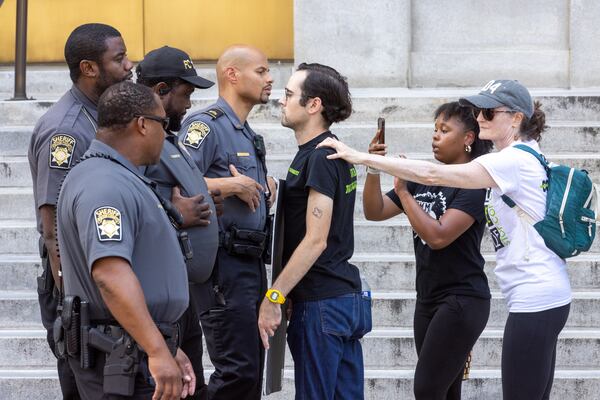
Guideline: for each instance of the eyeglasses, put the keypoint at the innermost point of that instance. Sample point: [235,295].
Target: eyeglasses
[488,113]
[164,121]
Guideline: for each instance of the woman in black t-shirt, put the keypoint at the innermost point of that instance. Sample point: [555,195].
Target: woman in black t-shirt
[453,296]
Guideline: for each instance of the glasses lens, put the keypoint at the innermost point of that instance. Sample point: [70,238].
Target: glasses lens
[488,113]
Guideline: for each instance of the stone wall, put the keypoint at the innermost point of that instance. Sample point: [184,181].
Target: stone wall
[452,43]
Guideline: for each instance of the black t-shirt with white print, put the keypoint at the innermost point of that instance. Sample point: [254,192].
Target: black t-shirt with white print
[331,275]
[457,268]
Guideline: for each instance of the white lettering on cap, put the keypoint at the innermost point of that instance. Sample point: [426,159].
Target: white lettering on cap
[491,87]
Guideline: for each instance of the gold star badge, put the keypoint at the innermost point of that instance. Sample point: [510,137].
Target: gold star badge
[195,134]
[108,223]
[61,151]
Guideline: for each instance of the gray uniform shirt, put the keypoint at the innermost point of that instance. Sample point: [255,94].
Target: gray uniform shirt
[214,143]
[105,210]
[177,168]
[60,137]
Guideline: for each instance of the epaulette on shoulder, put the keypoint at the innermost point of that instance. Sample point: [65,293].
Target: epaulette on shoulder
[213,113]
[70,117]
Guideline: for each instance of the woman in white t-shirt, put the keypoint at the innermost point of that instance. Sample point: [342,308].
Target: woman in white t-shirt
[532,278]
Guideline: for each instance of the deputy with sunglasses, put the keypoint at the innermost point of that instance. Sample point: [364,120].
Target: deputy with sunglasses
[120,255]
[232,158]
[172,76]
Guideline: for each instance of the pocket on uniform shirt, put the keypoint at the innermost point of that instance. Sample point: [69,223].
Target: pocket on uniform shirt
[243,163]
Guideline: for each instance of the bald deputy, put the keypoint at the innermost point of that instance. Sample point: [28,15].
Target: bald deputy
[232,158]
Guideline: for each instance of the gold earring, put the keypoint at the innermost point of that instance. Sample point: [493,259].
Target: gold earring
[468,148]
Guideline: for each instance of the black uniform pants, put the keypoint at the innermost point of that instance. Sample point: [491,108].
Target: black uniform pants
[91,381]
[48,303]
[228,306]
[445,332]
[191,344]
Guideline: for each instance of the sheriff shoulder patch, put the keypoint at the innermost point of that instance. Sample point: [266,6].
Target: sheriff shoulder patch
[108,223]
[61,151]
[195,134]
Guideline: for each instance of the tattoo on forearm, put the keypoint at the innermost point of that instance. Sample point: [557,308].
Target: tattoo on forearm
[317,212]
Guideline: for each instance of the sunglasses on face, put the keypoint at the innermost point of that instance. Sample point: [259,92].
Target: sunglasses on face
[488,113]
[164,121]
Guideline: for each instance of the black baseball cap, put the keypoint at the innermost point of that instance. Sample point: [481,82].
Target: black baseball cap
[169,62]
[502,93]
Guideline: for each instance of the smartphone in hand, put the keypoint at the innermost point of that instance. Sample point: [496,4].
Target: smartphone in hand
[381,129]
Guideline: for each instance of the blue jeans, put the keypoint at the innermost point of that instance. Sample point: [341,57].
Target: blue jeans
[323,337]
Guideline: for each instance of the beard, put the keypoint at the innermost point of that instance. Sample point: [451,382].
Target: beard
[175,119]
[174,122]
[264,98]
[105,81]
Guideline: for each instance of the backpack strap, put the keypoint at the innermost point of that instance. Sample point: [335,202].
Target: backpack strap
[537,155]
[594,202]
[509,202]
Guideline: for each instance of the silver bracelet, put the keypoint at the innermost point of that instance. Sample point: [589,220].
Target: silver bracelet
[373,171]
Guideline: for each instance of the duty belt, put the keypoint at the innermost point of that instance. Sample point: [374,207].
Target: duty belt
[83,339]
[243,242]
[170,332]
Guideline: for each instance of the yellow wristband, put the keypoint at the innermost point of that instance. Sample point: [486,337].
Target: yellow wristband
[275,296]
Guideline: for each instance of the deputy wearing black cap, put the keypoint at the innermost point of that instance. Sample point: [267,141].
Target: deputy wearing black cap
[232,157]
[171,74]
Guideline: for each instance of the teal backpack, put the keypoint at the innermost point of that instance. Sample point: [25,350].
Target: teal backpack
[569,226]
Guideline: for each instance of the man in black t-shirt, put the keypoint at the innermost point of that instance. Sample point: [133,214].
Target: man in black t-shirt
[328,317]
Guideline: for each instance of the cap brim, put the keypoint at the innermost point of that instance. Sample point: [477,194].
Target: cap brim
[479,101]
[198,81]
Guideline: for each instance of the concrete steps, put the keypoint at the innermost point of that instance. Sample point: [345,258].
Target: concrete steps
[14,170]
[390,309]
[383,250]
[396,104]
[51,81]
[582,137]
[41,384]
[20,236]
[391,348]
[385,271]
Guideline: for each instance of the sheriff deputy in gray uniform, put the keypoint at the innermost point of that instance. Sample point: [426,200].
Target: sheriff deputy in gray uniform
[96,56]
[124,272]
[232,158]
[172,76]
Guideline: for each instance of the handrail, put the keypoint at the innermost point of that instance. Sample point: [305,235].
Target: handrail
[20,51]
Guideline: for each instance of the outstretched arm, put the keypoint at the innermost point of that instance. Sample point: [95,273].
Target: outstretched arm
[468,176]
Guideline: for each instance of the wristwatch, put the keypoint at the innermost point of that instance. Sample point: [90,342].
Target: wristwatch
[275,296]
